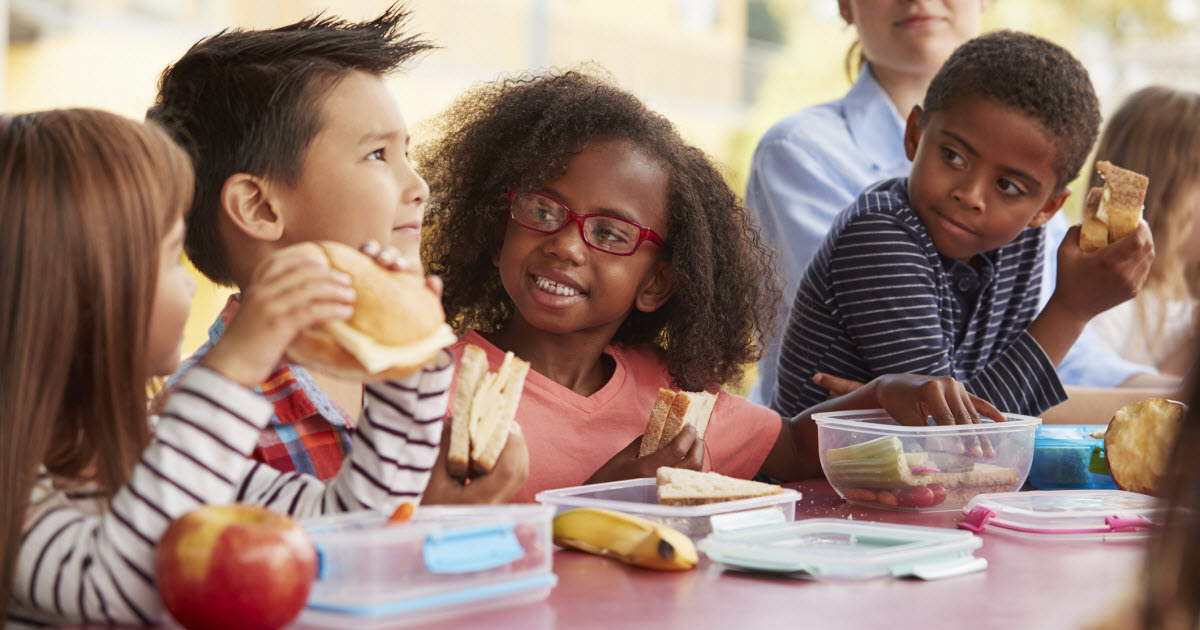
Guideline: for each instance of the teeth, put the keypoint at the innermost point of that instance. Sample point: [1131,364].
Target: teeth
[549,286]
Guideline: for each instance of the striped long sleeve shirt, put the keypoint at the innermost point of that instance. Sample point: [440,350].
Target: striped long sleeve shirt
[879,299]
[83,559]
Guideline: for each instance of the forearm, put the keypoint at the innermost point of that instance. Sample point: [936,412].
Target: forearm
[1056,328]
[795,454]
[395,447]
[75,565]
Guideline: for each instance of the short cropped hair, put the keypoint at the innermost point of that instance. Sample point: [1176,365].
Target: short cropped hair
[249,102]
[1032,75]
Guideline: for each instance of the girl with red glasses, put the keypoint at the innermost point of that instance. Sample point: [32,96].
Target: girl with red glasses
[575,228]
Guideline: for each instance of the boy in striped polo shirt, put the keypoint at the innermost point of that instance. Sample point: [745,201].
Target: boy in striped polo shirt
[938,273]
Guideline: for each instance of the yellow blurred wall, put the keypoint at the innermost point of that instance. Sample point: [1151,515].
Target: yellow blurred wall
[109,53]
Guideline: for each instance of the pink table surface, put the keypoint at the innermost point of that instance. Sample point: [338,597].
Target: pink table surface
[1027,585]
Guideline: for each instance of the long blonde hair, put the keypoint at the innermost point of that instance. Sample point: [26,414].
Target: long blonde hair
[87,198]
[1156,132]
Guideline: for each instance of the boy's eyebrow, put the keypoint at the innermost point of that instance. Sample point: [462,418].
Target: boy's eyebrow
[1030,179]
[375,136]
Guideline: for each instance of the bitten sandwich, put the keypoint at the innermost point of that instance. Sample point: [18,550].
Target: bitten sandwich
[672,411]
[485,404]
[1112,212]
[397,327]
[679,486]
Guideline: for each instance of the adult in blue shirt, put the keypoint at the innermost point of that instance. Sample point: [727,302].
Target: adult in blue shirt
[812,164]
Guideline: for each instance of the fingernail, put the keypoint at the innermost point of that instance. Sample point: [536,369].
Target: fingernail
[345,311]
[342,277]
[371,248]
[347,293]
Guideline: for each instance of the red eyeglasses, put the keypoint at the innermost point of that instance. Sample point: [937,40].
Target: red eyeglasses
[609,234]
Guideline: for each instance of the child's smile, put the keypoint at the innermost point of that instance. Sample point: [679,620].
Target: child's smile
[561,284]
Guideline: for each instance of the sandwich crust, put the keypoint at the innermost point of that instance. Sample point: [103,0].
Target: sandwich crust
[1126,194]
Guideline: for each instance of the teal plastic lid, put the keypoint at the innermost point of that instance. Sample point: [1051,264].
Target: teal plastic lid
[847,549]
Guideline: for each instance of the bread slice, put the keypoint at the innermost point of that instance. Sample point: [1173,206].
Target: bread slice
[471,370]
[485,404]
[495,422]
[672,411]
[1122,199]
[658,417]
[1093,234]
[678,486]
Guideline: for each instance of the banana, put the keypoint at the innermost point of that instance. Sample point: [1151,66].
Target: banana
[630,539]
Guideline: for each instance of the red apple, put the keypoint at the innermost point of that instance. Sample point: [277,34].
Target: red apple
[235,567]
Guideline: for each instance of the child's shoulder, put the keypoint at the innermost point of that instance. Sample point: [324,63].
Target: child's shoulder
[883,207]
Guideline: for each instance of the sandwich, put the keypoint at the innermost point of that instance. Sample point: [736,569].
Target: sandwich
[679,486]
[880,470]
[485,404]
[1112,212]
[672,411]
[397,327]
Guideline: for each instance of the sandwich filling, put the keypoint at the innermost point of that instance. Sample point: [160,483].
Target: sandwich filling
[376,357]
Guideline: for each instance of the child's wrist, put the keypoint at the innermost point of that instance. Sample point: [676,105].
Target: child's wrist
[230,368]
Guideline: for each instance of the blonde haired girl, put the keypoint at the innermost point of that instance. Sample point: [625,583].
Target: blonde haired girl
[94,301]
[1156,132]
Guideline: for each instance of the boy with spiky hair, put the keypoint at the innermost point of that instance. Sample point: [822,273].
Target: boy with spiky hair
[938,273]
[295,137]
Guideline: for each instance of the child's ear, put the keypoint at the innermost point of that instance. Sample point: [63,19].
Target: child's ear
[1048,210]
[245,199]
[656,289]
[912,132]
[847,14]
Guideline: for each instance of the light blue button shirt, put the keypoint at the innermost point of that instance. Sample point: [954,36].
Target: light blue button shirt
[812,164]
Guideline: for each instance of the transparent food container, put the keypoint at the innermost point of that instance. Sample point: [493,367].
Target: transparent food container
[640,498]
[1064,515]
[869,459]
[446,561]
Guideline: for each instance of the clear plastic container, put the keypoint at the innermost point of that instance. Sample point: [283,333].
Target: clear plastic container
[640,498]
[869,459]
[847,549]
[1063,455]
[1064,515]
[446,561]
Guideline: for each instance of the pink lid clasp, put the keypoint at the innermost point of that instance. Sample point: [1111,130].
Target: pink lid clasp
[977,519]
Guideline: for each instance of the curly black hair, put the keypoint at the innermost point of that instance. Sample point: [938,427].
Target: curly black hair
[1036,77]
[249,102]
[520,132]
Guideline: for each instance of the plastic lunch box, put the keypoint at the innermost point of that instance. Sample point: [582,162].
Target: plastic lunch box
[1064,515]
[446,561]
[837,548]
[640,498]
[872,460]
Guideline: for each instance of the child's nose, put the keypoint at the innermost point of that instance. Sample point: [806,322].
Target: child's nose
[568,243]
[414,189]
[969,192]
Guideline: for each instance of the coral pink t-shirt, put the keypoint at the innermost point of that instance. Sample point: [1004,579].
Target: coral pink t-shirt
[570,436]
